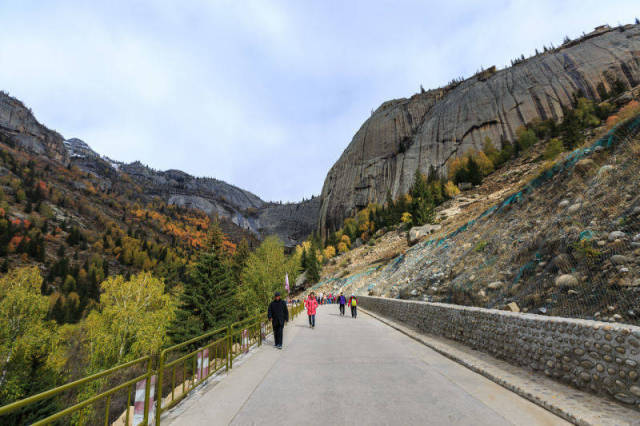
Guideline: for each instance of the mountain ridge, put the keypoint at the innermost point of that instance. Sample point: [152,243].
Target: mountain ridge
[292,222]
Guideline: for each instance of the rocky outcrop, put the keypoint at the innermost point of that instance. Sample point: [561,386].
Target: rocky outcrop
[292,222]
[431,127]
[19,128]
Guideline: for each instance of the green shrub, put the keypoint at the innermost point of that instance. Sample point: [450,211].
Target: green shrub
[480,246]
[526,139]
[554,147]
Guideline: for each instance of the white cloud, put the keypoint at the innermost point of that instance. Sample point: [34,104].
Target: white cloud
[264,95]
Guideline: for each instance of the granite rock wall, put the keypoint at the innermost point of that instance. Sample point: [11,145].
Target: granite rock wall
[429,128]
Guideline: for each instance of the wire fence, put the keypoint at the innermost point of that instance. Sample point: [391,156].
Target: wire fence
[567,244]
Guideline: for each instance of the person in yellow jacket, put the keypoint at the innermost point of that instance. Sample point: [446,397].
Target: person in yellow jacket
[353,303]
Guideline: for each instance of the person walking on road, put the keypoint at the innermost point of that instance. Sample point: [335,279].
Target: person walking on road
[311,304]
[353,302]
[342,301]
[279,315]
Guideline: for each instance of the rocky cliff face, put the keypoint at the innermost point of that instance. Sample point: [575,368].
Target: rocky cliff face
[429,128]
[292,222]
[20,128]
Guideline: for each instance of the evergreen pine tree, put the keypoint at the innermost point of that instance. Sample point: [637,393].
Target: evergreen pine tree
[207,300]
[240,260]
[475,175]
[303,259]
[313,266]
[57,312]
[419,189]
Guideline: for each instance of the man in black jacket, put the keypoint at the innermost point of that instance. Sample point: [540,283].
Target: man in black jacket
[279,315]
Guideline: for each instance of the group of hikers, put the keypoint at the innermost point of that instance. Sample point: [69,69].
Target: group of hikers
[327,299]
[311,304]
[279,314]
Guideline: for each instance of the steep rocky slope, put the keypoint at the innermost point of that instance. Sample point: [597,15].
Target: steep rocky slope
[292,222]
[561,240]
[429,128]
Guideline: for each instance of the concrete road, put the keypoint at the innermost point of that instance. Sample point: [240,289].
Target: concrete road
[356,372]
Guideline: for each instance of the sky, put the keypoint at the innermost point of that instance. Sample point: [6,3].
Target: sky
[264,95]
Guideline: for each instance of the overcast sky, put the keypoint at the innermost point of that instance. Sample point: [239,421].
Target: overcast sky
[264,95]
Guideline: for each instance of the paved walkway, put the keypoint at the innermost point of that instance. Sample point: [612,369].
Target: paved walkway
[360,372]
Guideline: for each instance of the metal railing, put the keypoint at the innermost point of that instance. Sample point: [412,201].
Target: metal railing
[179,369]
[93,379]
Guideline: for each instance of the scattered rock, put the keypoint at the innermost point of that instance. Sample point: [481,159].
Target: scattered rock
[513,307]
[605,170]
[564,203]
[574,208]
[495,285]
[566,281]
[631,283]
[618,259]
[616,235]
[418,232]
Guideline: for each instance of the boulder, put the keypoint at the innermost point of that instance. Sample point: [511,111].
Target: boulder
[604,170]
[418,232]
[574,208]
[566,281]
[618,259]
[564,203]
[616,235]
[495,285]
[513,307]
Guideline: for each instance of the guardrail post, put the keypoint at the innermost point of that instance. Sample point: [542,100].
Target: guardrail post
[230,349]
[147,390]
[160,378]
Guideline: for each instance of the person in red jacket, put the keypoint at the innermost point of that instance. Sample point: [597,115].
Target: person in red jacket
[311,304]
[353,303]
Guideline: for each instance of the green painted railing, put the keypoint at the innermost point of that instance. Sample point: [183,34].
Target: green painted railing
[179,369]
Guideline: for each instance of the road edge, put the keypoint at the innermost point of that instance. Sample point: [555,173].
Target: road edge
[448,350]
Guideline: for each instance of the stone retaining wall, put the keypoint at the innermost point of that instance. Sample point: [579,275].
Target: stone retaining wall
[590,355]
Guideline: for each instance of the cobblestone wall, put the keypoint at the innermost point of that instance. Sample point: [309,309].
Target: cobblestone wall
[590,355]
